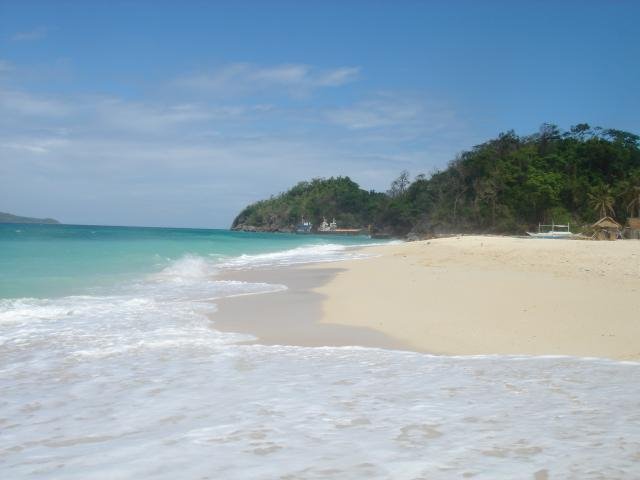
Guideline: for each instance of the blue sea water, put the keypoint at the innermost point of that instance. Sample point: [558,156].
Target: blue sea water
[111,368]
[53,260]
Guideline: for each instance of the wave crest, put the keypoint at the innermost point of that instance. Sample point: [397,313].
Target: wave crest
[306,254]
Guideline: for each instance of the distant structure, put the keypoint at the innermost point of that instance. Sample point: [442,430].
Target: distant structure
[607,229]
[332,228]
[633,228]
[304,226]
[328,227]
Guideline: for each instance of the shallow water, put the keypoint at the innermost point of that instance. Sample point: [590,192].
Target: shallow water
[131,380]
[53,260]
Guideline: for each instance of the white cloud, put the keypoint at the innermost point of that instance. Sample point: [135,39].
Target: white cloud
[39,145]
[111,113]
[134,116]
[30,35]
[15,102]
[130,160]
[392,115]
[338,76]
[244,78]
[375,113]
[5,67]
[28,148]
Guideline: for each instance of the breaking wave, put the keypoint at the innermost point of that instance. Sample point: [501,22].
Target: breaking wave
[133,382]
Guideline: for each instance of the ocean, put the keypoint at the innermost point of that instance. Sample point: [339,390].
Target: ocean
[111,368]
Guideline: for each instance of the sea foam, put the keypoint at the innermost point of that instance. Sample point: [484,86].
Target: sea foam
[133,382]
[295,256]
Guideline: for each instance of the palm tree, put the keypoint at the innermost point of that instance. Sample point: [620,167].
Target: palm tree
[601,200]
[487,191]
[635,201]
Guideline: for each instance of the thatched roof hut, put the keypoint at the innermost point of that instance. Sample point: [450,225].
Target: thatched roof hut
[607,229]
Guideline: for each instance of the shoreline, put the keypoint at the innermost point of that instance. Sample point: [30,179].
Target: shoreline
[293,316]
[468,295]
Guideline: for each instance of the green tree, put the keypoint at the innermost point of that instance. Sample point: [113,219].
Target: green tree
[634,202]
[602,200]
[399,185]
[503,185]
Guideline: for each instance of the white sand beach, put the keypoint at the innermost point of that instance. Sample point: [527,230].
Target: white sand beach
[472,295]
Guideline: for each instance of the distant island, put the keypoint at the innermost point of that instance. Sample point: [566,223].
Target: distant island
[9,218]
[506,185]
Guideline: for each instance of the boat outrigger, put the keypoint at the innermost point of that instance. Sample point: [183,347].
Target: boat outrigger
[557,231]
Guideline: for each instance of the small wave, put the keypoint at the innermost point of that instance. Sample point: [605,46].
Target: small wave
[295,256]
[28,309]
[187,267]
[116,383]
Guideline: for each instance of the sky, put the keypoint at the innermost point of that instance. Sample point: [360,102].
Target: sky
[181,113]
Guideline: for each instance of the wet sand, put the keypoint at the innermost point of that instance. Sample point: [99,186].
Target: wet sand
[470,295]
[292,316]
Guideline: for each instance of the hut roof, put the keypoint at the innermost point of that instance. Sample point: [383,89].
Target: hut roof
[606,222]
[634,223]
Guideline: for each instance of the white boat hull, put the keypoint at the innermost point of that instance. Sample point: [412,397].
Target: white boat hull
[555,235]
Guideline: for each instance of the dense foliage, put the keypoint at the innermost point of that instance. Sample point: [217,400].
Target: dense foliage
[339,198]
[506,185]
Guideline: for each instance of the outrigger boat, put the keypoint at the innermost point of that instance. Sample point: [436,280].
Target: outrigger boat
[325,227]
[332,228]
[564,231]
[304,226]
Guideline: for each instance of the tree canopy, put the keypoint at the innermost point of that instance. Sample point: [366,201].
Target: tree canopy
[505,185]
[336,197]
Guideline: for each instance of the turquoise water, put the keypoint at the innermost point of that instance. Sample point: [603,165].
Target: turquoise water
[54,260]
[111,367]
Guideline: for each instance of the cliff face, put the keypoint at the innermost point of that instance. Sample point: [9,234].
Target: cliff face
[9,218]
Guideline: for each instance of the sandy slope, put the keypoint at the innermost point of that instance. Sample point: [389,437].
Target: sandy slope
[485,295]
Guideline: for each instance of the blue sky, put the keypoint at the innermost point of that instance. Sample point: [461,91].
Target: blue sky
[180,113]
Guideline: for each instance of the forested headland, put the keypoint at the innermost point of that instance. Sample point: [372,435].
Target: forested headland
[506,185]
[9,218]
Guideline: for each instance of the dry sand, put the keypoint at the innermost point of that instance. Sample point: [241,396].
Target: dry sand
[494,295]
